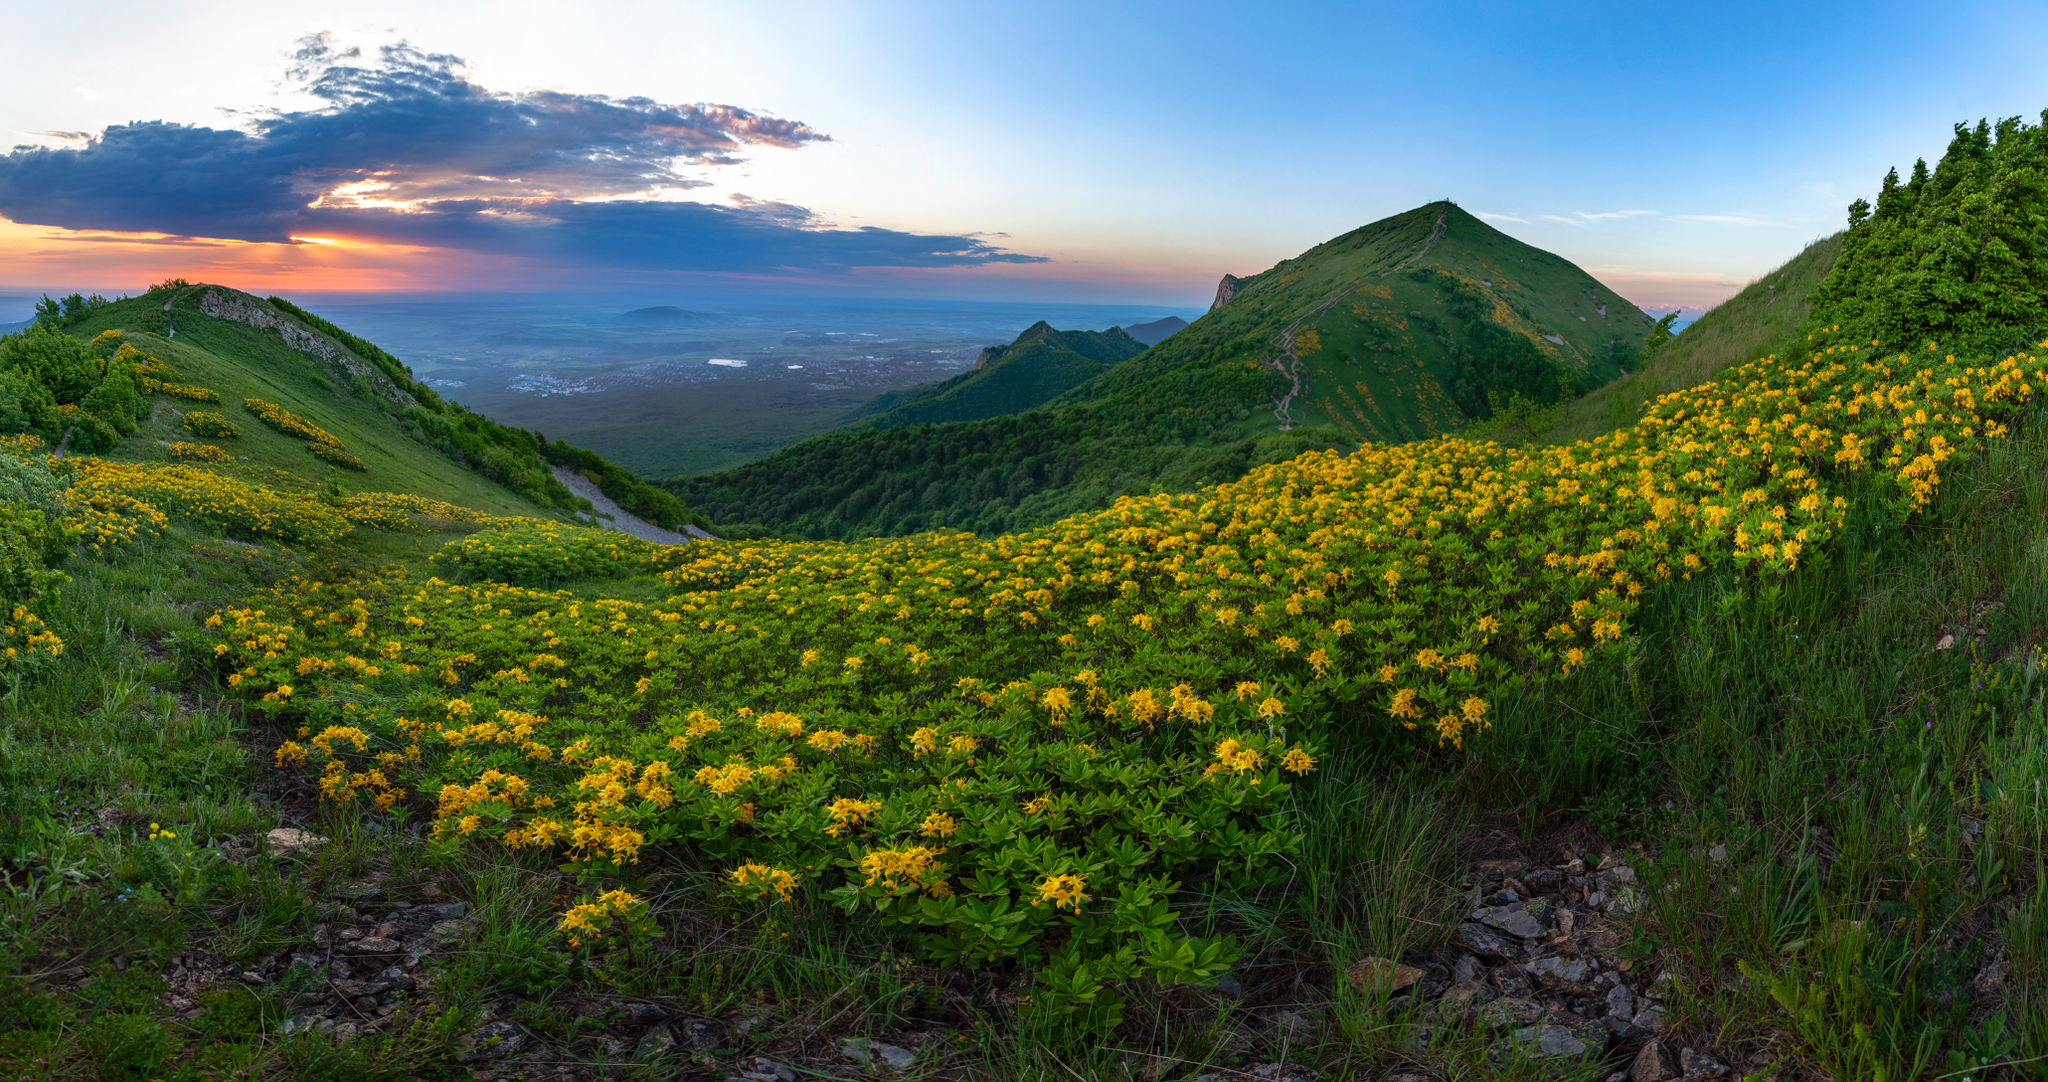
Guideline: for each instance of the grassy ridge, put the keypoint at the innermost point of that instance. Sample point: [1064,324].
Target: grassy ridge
[1040,365]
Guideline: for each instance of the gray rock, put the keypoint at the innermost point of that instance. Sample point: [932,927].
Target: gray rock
[1487,942]
[1621,1003]
[871,1054]
[1466,970]
[1649,1021]
[1228,985]
[1508,1011]
[1718,854]
[359,989]
[1691,1063]
[1556,1041]
[449,910]
[654,1044]
[494,1040]
[1652,1063]
[346,1031]
[1566,970]
[301,1023]
[374,945]
[1281,1072]
[1626,900]
[703,1035]
[1528,919]
[763,1069]
[642,1014]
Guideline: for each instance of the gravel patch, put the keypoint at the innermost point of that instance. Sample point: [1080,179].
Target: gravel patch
[622,520]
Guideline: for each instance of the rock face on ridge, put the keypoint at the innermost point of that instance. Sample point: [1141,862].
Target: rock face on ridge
[241,308]
[1225,290]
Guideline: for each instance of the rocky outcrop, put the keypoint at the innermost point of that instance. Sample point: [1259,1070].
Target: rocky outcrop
[1225,290]
[987,354]
[240,308]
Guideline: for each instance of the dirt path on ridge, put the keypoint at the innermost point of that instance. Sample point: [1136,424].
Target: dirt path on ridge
[1289,363]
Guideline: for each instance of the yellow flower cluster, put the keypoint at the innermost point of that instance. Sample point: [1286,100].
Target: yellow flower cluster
[338,456]
[181,390]
[289,423]
[213,426]
[199,452]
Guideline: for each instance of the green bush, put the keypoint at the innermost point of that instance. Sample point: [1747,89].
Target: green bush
[26,405]
[543,555]
[90,435]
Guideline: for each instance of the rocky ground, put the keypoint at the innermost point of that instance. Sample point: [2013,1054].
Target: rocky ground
[1538,968]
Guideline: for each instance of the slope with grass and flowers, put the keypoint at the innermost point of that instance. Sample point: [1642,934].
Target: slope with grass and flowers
[1142,778]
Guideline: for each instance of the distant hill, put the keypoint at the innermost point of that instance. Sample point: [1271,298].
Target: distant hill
[219,346]
[1156,331]
[668,315]
[1402,329]
[1038,366]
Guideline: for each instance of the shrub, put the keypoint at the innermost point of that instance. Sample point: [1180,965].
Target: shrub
[289,423]
[211,425]
[90,435]
[199,452]
[338,456]
[541,554]
[181,390]
[26,405]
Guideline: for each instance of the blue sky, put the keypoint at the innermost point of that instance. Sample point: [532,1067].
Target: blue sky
[1113,152]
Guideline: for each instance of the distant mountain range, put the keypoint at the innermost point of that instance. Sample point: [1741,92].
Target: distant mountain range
[1402,329]
[1156,331]
[668,315]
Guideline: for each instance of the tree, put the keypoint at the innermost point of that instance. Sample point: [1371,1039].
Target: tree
[1660,333]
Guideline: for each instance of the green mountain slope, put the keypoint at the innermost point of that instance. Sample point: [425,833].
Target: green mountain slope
[1402,329]
[1040,365]
[239,347]
[1406,328]
[1749,325]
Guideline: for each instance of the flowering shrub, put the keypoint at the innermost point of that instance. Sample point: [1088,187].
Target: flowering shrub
[338,456]
[1042,738]
[180,390]
[213,426]
[289,423]
[541,553]
[199,452]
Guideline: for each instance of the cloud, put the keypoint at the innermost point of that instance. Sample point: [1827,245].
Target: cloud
[1503,217]
[1613,214]
[1730,219]
[1559,220]
[405,149]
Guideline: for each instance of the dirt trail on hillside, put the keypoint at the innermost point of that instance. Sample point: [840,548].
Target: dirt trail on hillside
[623,520]
[1290,364]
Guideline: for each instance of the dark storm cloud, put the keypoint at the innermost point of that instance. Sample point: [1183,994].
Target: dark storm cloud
[468,167]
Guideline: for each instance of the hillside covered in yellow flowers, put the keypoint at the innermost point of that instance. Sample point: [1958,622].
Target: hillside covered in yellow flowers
[1078,782]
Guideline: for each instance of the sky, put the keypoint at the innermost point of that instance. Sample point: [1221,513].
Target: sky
[1112,152]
